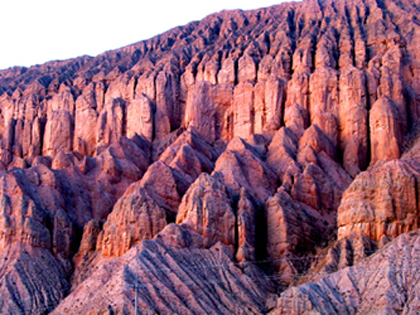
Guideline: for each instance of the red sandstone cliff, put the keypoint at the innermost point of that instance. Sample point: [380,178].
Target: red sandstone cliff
[219,167]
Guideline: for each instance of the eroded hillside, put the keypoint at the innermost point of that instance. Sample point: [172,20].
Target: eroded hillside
[219,167]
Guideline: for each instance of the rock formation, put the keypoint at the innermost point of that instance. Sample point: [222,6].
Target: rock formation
[384,283]
[252,162]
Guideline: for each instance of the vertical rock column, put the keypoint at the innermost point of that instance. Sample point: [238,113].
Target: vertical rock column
[85,121]
[58,134]
[243,110]
[353,117]
[140,118]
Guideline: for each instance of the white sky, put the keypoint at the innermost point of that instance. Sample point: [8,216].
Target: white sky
[36,31]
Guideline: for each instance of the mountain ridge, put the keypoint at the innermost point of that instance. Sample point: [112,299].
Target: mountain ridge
[221,165]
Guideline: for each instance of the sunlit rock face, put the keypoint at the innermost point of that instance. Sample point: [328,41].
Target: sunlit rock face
[232,165]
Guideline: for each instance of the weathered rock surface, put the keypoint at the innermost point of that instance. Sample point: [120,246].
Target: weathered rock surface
[141,212]
[293,228]
[190,155]
[249,218]
[205,208]
[385,283]
[220,162]
[33,278]
[171,279]
[241,166]
[44,212]
[348,251]
[381,201]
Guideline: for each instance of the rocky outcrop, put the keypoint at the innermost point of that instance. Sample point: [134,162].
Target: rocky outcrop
[381,202]
[22,274]
[205,208]
[240,166]
[230,81]
[45,211]
[190,155]
[292,229]
[151,91]
[353,117]
[249,218]
[140,118]
[219,162]
[141,212]
[346,252]
[374,286]
[58,133]
[171,280]
[385,132]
